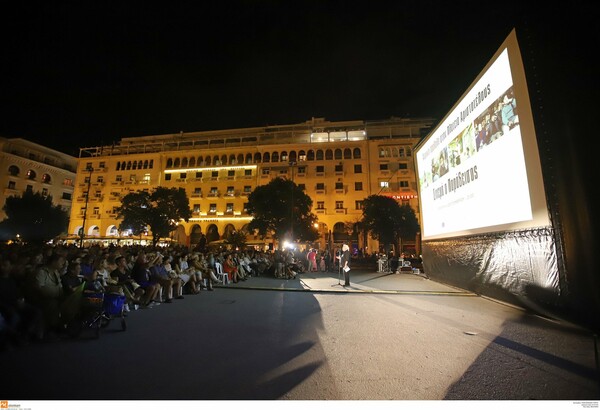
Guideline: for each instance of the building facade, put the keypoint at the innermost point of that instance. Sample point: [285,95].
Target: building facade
[338,164]
[31,167]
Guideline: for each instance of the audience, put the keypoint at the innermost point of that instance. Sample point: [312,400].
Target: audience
[39,284]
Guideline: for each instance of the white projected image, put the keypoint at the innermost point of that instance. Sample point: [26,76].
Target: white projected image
[473,175]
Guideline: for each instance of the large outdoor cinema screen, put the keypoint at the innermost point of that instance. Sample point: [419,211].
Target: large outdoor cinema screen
[479,169]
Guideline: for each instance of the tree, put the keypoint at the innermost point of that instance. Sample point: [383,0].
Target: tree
[388,221]
[34,217]
[159,210]
[237,239]
[282,208]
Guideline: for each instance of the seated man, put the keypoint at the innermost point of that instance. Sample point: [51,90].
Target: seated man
[168,284]
[48,290]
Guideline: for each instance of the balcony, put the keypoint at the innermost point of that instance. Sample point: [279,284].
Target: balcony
[197,195]
[341,211]
[213,194]
[321,210]
[321,191]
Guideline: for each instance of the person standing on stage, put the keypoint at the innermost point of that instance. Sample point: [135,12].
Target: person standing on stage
[345,264]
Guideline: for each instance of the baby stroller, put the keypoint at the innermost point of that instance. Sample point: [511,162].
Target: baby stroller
[96,310]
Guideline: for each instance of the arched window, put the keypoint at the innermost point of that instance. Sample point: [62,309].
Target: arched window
[200,161]
[46,179]
[14,170]
[118,165]
[232,159]
[284,156]
[275,157]
[223,159]
[357,154]
[240,158]
[347,153]
[293,156]
[338,154]
[320,155]
[193,162]
[248,158]
[184,162]
[339,227]
[176,163]
[140,164]
[266,157]
[311,155]
[329,154]
[151,165]
[31,174]
[257,158]
[208,161]
[216,160]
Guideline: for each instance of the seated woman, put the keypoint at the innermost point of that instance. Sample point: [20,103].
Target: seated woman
[230,269]
[132,291]
[190,277]
[142,276]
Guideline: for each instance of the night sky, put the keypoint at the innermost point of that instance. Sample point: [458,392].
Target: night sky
[77,75]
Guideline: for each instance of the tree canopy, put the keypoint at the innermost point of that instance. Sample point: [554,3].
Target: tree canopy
[388,221]
[237,239]
[160,210]
[283,209]
[34,217]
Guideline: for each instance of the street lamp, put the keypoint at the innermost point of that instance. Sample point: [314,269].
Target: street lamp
[292,165]
[87,198]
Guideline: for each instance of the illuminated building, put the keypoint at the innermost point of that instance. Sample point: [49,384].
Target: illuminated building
[28,166]
[338,164]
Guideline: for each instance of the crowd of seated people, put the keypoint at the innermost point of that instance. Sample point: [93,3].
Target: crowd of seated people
[38,282]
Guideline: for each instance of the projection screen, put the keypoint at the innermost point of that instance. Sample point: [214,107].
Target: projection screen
[479,169]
